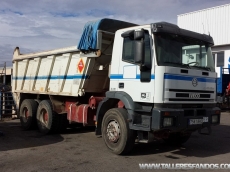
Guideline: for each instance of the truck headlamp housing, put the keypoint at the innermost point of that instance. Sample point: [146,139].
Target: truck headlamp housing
[215,119]
[167,122]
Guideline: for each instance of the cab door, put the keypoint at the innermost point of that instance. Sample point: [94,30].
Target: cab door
[136,80]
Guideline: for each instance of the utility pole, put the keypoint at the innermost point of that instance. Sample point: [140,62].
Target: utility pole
[4,77]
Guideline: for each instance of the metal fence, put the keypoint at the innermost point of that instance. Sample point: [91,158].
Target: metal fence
[6,99]
[3,73]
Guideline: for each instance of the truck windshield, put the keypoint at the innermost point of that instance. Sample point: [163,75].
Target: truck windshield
[179,51]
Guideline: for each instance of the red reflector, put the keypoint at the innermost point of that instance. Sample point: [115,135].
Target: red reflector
[166,114]
[217,112]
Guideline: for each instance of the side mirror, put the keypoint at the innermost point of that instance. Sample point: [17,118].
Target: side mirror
[139,52]
[139,46]
[139,34]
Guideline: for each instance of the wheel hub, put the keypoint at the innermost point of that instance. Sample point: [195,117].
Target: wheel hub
[44,116]
[113,131]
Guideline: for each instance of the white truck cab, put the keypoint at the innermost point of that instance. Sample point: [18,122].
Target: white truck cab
[166,80]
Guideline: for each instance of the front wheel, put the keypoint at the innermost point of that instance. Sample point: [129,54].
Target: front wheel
[115,131]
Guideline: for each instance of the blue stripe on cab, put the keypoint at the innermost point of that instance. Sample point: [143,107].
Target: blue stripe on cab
[120,76]
[116,76]
[188,78]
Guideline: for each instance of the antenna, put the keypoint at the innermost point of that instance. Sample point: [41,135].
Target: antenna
[207,23]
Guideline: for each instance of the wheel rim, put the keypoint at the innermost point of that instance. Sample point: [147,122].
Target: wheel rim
[25,113]
[113,131]
[44,116]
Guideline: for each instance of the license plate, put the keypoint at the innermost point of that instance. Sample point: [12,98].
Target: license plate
[205,119]
[198,121]
[195,121]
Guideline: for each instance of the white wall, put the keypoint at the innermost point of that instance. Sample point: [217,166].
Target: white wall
[215,21]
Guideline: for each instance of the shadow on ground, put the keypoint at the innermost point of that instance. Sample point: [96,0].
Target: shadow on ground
[198,145]
[14,137]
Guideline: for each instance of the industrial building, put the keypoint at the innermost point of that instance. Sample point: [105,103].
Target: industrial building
[216,23]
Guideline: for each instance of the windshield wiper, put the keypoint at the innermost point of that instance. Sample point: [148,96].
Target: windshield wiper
[203,67]
[182,64]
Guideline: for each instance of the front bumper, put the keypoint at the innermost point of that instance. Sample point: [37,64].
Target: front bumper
[182,119]
[185,119]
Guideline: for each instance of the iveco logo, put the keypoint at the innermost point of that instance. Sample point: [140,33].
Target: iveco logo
[194,82]
[194,96]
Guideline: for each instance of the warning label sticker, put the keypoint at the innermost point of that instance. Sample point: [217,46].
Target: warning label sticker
[80,66]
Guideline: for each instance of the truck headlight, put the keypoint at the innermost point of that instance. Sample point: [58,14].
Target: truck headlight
[167,122]
[215,118]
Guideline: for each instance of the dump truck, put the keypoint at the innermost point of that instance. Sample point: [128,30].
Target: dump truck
[135,83]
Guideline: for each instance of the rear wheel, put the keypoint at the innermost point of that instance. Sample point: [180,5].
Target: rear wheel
[177,138]
[28,111]
[47,119]
[115,131]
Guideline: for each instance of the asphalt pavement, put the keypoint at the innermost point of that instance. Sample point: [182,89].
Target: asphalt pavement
[80,150]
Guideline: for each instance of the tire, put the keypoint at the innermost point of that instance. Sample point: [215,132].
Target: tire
[177,139]
[47,119]
[27,113]
[116,119]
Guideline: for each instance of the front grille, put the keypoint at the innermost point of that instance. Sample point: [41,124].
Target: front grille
[195,100]
[182,95]
[191,91]
[187,95]
[205,95]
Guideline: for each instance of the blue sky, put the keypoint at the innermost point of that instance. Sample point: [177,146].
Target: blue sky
[41,25]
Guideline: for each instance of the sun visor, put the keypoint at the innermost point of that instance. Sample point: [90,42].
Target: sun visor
[89,36]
